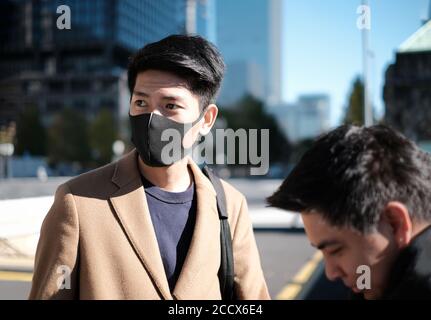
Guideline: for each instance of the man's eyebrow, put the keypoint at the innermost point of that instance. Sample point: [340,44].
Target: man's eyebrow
[167,97]
[326,243]
[171,97]
[140,93]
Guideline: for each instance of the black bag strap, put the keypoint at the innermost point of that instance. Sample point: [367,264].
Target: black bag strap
[226,271]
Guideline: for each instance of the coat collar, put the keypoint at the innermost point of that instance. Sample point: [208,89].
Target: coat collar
[410,277]
[202,261]
[126,170]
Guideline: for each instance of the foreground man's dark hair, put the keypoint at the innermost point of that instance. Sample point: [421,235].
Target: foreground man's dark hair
[351,173]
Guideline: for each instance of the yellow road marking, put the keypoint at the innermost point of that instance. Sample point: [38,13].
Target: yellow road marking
[16,276]
[291,290]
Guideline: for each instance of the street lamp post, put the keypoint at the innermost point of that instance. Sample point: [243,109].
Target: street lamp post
[191,16]
[368,113]
[6,151]
[118,148]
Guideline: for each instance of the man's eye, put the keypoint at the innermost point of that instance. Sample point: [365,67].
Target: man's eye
[140,103]
[172,106]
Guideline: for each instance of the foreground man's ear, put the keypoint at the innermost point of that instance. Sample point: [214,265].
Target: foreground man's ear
[397,215]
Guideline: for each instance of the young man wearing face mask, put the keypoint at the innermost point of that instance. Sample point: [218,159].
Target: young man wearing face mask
[364,194]
[147,226]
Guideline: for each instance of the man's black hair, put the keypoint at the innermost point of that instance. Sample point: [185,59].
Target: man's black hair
[351,173]
[192,58]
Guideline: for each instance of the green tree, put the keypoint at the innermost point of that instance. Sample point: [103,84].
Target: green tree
[68,138]
[30,133]
[249,113]
[103,132]
[355,107]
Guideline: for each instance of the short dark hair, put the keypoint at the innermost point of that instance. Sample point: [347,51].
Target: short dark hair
[351,173]
[192,58]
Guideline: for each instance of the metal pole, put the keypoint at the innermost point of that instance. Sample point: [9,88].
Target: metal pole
[2,167]
[191,16]
[368,113]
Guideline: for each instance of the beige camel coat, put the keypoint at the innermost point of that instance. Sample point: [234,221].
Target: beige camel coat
[99,231]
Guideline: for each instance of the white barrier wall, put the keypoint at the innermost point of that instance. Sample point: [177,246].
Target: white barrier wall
[21,220]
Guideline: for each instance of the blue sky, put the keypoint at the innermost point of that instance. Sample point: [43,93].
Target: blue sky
[322,46]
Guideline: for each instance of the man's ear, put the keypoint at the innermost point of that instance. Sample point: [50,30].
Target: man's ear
[210,117]
[397,216]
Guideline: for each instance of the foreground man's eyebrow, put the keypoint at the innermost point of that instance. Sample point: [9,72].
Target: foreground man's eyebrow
[326,243]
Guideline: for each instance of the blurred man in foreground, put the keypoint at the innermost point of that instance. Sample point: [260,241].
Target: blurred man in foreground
[364,195]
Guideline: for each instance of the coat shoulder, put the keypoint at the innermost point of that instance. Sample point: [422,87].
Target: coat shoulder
[232,194]
[96,182]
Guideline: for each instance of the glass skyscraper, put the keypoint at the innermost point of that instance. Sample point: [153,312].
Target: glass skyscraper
[82,67]
[249,37]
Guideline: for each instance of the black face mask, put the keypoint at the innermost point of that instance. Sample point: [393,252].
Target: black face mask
[147,130]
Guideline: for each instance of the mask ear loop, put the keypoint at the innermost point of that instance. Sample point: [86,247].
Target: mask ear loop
[201,137]
[148,135]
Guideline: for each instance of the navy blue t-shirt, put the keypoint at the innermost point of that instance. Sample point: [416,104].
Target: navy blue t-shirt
[173,215]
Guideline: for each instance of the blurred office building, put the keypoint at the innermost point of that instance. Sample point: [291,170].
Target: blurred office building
[201,18]
[249,37]
[84,67]
[407,90]
[307,118]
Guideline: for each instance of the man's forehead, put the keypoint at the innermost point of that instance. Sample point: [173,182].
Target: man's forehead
[315,218]
[164,92]
[154,78]
[319,230]
[154,84]
[171,90]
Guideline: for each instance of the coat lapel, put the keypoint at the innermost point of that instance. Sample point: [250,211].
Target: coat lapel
[130,205]
[203,258]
